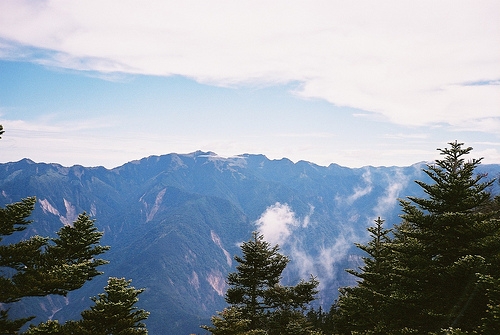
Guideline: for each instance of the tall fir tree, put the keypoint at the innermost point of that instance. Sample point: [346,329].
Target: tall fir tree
[231,322]
[255,292]
[446,240]
[39,266]
[114,312]
[364,307]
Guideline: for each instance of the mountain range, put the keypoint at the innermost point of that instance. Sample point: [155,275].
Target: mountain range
[174,223]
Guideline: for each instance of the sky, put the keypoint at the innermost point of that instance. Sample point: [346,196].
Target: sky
[356,83]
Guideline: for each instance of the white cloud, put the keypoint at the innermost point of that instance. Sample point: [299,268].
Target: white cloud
[330,256]
[397,181]
[277,223]
[77,141]
[359,191]
[312,135]
[416,136]
[491,125]
[491,154]
[411,62]
[304,263]
[307,218]
[325,264]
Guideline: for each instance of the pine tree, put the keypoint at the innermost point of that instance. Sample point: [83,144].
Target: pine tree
[491,285]
[491,322]
[114,312]
[256,294]
[320,320]
[444,242]
[231,322]
[52,327]
[364,307]
[39,266]
[258,271]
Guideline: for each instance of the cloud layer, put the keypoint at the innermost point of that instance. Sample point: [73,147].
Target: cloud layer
[413,63]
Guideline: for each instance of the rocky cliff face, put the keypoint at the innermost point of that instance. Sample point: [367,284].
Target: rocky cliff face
[174,223]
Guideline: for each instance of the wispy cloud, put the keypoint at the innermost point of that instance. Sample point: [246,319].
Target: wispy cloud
[398,59]
[48,126]
[49,139]
[489,143]
[385,203]
[418,136]
[322,260]
[491,124]
[301,135]
[492,154]
[280,225]
[482,83]
[359,190]
[277,223]
[307,218]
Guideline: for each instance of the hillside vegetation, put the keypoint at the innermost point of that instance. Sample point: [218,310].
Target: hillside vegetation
[174,223]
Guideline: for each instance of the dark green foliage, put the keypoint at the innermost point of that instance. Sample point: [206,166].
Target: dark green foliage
[447,239]
[51,327]
[441,267]
[76,247]
[258,301]
[320,320]
[8,326]
[113,313]
[39,266]
[289,322]
[491,321]
[14,217]
[364,307]
[258,272]
[231,322]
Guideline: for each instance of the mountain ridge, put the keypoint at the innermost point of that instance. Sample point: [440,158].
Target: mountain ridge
[174,222]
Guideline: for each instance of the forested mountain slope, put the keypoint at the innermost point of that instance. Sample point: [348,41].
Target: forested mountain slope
[174,223]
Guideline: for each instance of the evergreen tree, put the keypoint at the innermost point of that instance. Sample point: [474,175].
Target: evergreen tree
[231,322]
[52,327]
[39,266]
[364,307]
[491,284]
[444,242]
[114,311]
[491,321]
[320,320]
[256,294]
[258,271]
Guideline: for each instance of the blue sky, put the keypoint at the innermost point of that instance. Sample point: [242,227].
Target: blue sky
[349,82]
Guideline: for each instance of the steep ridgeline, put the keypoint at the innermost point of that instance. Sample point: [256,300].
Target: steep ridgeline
[174,223]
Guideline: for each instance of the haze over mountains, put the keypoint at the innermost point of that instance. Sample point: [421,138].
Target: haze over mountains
[175,221]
